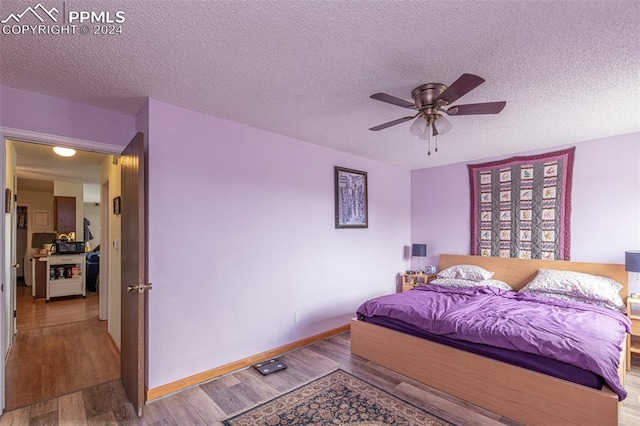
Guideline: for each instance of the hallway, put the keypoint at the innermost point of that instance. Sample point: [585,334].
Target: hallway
[61,347]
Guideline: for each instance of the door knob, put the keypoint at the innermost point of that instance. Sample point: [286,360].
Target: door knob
[16,265]
[139,288]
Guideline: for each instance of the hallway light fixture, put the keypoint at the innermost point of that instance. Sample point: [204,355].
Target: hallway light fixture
[64,152]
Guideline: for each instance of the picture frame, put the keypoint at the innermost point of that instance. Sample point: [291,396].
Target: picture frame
[42,218]
[116,205]
[7,200]
[351,198]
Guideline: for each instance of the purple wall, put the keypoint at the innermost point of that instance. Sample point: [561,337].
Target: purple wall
[43,114]
[241,232]
[241,236]
[605,217]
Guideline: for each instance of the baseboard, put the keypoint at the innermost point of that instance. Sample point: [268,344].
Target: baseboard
[160,391]
[113,342]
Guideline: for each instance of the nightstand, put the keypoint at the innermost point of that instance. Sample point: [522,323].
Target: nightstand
[633,343]
[411,281]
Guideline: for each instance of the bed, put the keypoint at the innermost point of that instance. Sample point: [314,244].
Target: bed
[520,394]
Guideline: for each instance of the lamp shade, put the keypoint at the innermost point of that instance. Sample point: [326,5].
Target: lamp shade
[428,131]
[418,126]
[632,260]
[442,125]
[419,250]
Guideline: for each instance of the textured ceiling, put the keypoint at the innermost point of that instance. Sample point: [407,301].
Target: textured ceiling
[569,70]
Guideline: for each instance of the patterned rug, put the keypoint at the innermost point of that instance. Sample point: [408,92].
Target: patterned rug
[336,399]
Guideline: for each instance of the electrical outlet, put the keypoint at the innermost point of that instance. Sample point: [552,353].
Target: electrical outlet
[296,316]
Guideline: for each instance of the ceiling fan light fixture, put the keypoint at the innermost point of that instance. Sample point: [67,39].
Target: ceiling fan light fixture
[429,100]
[64,152]
[443,125]
[418,127]
[426,135]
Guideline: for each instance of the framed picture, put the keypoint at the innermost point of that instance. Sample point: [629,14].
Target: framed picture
[351,198]
[116,205]
[7,200]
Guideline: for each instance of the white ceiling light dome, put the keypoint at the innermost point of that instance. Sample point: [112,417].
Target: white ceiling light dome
[64,152]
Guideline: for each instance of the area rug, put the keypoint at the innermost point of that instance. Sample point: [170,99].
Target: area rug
[338,398]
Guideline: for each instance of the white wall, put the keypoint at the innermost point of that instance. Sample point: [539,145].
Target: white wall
[111,173]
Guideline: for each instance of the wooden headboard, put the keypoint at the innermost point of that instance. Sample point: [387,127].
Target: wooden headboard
[518,272]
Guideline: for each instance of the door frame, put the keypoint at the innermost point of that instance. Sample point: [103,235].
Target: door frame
[44,139]
[105,229]
[13,255]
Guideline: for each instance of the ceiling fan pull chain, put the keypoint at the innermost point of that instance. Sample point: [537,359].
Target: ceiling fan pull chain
[436,143]
[429,140]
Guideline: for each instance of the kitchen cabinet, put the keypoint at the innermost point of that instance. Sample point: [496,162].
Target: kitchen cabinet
[64,214]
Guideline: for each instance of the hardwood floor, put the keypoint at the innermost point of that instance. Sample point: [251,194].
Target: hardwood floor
[211,402]
[60,347]
[61,310]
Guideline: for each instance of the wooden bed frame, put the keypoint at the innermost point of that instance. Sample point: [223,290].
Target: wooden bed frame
[525,396]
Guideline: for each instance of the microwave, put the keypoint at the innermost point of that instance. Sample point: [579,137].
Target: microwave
[68,247]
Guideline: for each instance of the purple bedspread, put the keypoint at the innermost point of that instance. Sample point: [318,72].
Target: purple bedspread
[586,336]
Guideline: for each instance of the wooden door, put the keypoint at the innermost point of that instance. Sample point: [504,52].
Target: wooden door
[133,252]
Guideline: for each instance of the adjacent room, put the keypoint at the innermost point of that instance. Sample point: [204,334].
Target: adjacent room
[57,300]
[272,174]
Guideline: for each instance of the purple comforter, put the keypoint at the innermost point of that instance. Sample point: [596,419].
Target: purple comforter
[582,335]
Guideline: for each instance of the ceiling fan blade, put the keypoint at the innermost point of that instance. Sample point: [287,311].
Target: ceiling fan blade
[392,123]
[472,109]
[392,100]
[463,85]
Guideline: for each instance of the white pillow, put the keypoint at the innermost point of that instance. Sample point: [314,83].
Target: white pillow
[466,272]
[577,286]
[460,283]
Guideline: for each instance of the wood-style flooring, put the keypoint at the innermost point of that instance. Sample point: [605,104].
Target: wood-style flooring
[60,347]
[60,310]
[211,402]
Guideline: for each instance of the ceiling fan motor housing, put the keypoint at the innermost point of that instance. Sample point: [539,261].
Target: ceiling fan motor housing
[426,96]
[426,100]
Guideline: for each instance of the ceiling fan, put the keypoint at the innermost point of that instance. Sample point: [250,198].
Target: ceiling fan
[431,99]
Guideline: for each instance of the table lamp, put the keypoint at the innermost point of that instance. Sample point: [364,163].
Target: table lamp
[632,264]
[419,250]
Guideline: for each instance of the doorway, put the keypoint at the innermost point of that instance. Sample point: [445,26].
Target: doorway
[22,212]
[61,345]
